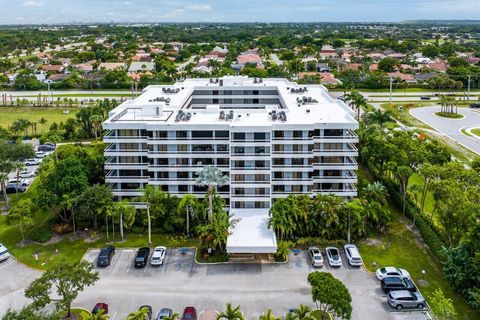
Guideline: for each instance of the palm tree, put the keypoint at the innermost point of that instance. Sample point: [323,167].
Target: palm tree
[98,316]
[403,173]
[230,313]
[18,166]
[268,316]
[212,177]
[186,203]
[302,313]
[120,209]
[70,201]
[380,117]
[357,100]
[141,314]
[215,233]
[43,121]
[150,195]
[173,316]
[3,187]
[96,121]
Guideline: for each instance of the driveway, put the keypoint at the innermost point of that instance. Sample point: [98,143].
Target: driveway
[180,283]
[451,127]
[15,278]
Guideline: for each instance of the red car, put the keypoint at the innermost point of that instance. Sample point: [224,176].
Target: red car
[100,306]
[190,313]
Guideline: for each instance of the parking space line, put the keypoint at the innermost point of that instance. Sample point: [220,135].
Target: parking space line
[115,258]
[169,252]
[114,315]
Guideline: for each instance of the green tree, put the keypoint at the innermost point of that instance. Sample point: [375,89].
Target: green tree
[211,177]
[21,216]
[125,214]
[388,64]
[230,313]
[66,280]
[330,294]
[26,313]
[357,100]
[442,307]
[268,315]
[95,201]
[141,314]
[98,316]
[302,312]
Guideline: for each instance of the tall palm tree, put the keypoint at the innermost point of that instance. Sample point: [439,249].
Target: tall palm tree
[357,100]
[43,121]
[96,121]
[230,313]
[380,117]
[268,316]
[212,177]
[18,166]
[216,232]
[151,195]
[3,186]
[173,316]
[185,204]
[120,209]
[70,201]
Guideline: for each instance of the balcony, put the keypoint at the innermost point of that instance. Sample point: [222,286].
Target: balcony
[110,138]
[292,181]
[112,178]
[349,191]
[351,164]
[110,164]
[113,151]
[350,137]
[350,177]
[350,151]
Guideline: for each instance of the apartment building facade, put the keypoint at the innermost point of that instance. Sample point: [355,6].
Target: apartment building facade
[272,137]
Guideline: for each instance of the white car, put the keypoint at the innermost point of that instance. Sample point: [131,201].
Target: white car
[40,154]
[4,254]
[333,256]
[315,256]
[158,255]
[386,272]
[21,182]
[32,162]
[353,255]
[27,174]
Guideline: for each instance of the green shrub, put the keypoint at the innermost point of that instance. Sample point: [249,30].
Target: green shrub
[41,234]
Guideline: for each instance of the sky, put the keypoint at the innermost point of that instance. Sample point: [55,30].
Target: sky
[89,11]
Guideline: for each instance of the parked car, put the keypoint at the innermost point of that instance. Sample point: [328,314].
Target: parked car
[189,313]
[32,162]
[315,256]
[40,154]
[353,255]
[475,105]
[4,253]
[27,174]
[142,257]
[333,256]
[391,272]
[12,188]
[46,148]
[425,98]
[158,255]
[396,283]
[105,256]
[164,313]
[21,182]
[405,299]
[341,98]
[100,306]
[149,311]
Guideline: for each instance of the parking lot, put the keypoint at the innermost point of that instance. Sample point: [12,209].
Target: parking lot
[180,282]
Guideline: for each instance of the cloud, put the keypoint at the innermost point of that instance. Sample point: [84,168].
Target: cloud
[33,3]
[175,13]
[199,8]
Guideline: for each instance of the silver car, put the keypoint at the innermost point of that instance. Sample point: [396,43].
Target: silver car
[333,256]
[164,313]
[400,299]
[315,256]
[158,255]
[353,255]
[4,254]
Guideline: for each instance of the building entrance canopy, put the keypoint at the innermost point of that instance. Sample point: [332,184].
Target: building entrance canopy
[251,233]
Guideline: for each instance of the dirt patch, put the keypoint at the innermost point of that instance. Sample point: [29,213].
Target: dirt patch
[374,242]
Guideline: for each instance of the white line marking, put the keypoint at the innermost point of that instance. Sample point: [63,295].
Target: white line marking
[115,258]
[114,315]
[7,264]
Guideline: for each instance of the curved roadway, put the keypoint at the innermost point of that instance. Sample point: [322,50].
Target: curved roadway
[452,127]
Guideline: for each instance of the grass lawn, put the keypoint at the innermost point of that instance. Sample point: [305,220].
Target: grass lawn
[404,115]
[416,179]
[476,132]
[400,247]
[10,114]
[449,115]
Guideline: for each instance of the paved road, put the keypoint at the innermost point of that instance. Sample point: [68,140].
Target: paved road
[451,127]
[15,278]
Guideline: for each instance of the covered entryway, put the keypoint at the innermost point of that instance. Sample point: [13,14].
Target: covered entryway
[251,239]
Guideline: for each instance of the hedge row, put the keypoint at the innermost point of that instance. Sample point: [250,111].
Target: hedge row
[429,232]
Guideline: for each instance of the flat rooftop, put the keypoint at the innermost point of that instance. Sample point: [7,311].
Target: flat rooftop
[302,104]
[251,233]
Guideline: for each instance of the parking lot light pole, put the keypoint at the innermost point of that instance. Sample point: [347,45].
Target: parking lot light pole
[348,235]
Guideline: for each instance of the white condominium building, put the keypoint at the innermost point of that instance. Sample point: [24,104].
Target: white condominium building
[272,137]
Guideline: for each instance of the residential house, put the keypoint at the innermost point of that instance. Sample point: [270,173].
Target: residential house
[56,68]
[110,66]
[327,52]
[402,76]
[138,66]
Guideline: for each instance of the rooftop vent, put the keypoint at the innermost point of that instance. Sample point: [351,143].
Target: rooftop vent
[170,90]
[221,115]
[182,116]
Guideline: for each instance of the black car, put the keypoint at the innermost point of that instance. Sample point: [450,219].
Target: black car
[475,105]
[396,283]
[11,188]
[149,310]
[425,98]
[46,148]
[105,256]
[142,257]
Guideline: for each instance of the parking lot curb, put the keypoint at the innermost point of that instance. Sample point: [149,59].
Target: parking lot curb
[26,265]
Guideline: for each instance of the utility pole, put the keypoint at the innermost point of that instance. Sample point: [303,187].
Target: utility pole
[468,95]
[391,84]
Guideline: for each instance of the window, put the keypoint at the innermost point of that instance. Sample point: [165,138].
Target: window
[278,134]
[202,134]
[259,136]
[297,134]
[181,134]
[239,136]
[221,134]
